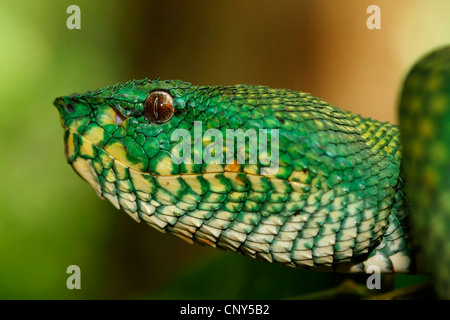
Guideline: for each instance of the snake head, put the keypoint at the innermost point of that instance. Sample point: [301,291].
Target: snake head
[324,199]
[131,122]
[142,123]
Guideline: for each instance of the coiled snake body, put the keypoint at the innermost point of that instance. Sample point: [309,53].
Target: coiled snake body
[338,199]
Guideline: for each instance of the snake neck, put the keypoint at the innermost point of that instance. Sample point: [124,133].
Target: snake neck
[395,252]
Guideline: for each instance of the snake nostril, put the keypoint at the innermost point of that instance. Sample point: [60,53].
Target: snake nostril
[70,108]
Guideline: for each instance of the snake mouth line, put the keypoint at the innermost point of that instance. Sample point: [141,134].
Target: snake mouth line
[228,168]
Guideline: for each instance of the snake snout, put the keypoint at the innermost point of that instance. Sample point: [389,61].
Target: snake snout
[59,103]
[61,106]
[70,108]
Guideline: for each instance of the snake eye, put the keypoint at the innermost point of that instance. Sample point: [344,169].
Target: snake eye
[158,107]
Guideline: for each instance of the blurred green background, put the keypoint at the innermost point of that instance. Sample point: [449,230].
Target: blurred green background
[50,218]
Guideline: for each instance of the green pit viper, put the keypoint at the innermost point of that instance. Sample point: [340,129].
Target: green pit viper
[345,198]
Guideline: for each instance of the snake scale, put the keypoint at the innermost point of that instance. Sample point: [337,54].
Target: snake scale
[342,198]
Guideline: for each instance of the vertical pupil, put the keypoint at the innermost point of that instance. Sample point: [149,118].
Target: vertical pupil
[158,105]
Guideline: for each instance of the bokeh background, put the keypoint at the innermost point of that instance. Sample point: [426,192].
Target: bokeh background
[50,218]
